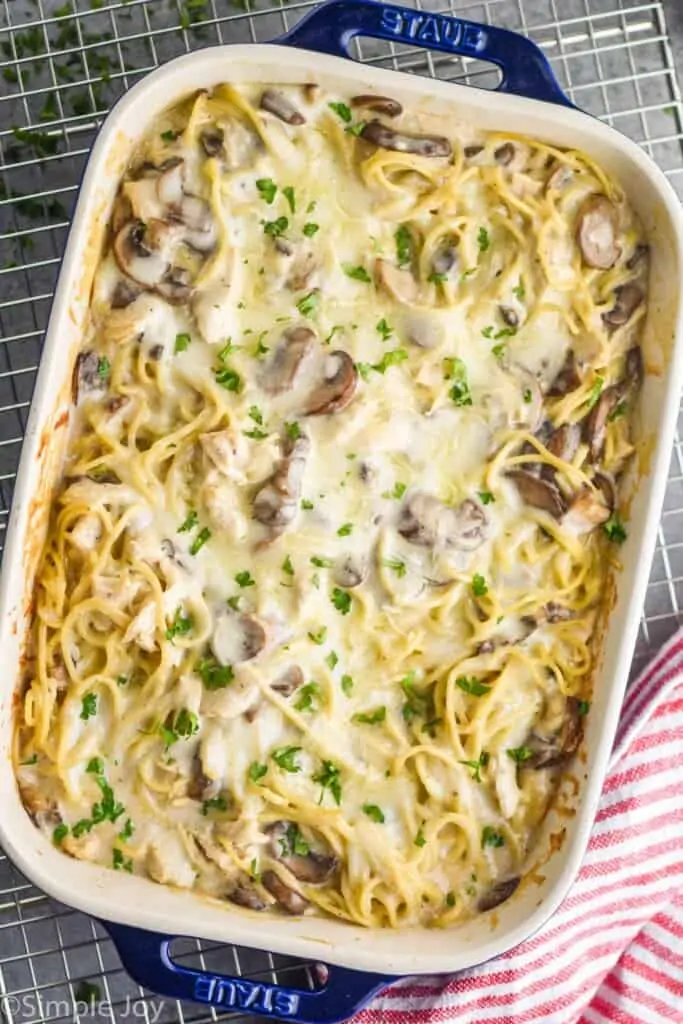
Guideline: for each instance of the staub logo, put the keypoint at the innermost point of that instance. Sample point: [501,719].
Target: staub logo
[432,29]
[246,995]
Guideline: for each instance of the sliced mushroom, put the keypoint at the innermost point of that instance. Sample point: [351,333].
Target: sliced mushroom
[245,896]
[497,894]
[587,510]
[553,612]
[597,226]
[400,284]
[212,140]
[445,257]
[568,379]
[388,138]
[121,212]
[560,177]
[200,786]
[423,332]
[564,442]
[288,681]
[135,256]
[176,285]
[314,867]
[639,259]
[538,493]
[627,298]
[633,370]
[428,522]
[291,901]
[276,503]
[605,484]
[169,182]
[275,102]
[237,638]
[549,751]
[337,387]
[595,424]
[292,350]
[123,295]
[505,154]
[350,572]
[300,263]
[87,376]
[378,104]
[509,316]
[472,151]
[200,227]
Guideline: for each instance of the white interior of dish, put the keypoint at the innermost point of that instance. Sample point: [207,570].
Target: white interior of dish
[120,897]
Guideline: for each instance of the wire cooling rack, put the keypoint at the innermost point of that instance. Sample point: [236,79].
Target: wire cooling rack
[61,68]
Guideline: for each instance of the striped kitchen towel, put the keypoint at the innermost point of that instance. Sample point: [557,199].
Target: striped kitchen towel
[613,951]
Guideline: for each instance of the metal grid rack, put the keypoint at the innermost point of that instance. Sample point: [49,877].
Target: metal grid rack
[62,65]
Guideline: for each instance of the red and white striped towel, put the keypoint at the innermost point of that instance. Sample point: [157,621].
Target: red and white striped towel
[613,951]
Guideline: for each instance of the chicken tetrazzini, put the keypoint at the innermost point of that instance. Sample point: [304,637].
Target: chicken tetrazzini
[314,626]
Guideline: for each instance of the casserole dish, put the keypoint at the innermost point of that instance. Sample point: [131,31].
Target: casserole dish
[88,887]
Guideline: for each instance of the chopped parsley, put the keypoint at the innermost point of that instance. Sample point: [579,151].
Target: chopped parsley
[319,637]
[518,291]
[472,686]
[383,329]
[88,706]
[310,229]
[357,273]
[519,754]
[398,491]
[584,707]
[255,414]
[234,602]
[479,585]
[595,391]
[397,565]
[476,766]
[121,680]
[256,434]
[614,528]
[120,862]
[189,522]
[254,872]
[214,675]
[95,766]
[332,660]
[169,136]
[347,685]
[180,625]
[498,351]
[285,758]
[31,760]
[528,396]
[437,278]
[345,530]
[486,497]
[182,343]
[450,899]
[200,540]
[292,842]
[483,240]
[245,579]
[309,303]
[419,839]
[226,350]
[321,563]
[267,189]
[288,193]
[454,369]
[487,332]
[183,726]
[404,246]
[127,831]
[355,129]
[391,358]
[306,504]
[308,696]
[330,336]
[489,837]
[341,600]
[257,771]
[275,228]
[374,812]
[293,431]
[60,833]
[371,717]
[342,111]
[103,368]
[287,566]
[328,776]
[216,803]
[228,379]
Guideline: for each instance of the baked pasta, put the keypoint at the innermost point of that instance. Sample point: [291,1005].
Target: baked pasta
[320,603]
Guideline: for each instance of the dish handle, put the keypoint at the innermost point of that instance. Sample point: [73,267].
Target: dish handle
[330,28]
[146,957]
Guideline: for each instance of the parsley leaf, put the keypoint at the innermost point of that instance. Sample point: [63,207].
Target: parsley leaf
[180,625]
[120,862]
[328,776]
[374,812]
[357,273]
[472,686]
[228,379]
[595,391]
[189,522]
[479,585]
[391,358]
[584,707]
[267,189]
[383,329]
[310,229]
[293,431]
[397,565]
[307,696]
[95,766]
[419,839]
[127,831]
[371,717]
[285,758]
[213,675]
[200,540]
[216,803]
[341,601]
[288,193]
[519,754]
[347,685]
[88,706]
[287,566]
[257,771]
[275,228]
[518,291]
[397,493]
[614,528]
[486,497]
[455,370]
[483,240]
[404,246]
[169,136]
[342,111]
[345,530]
[489,837]
[332,660]
[309,303]
[245,579]
[182,343]
[476,766]
[319,637]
